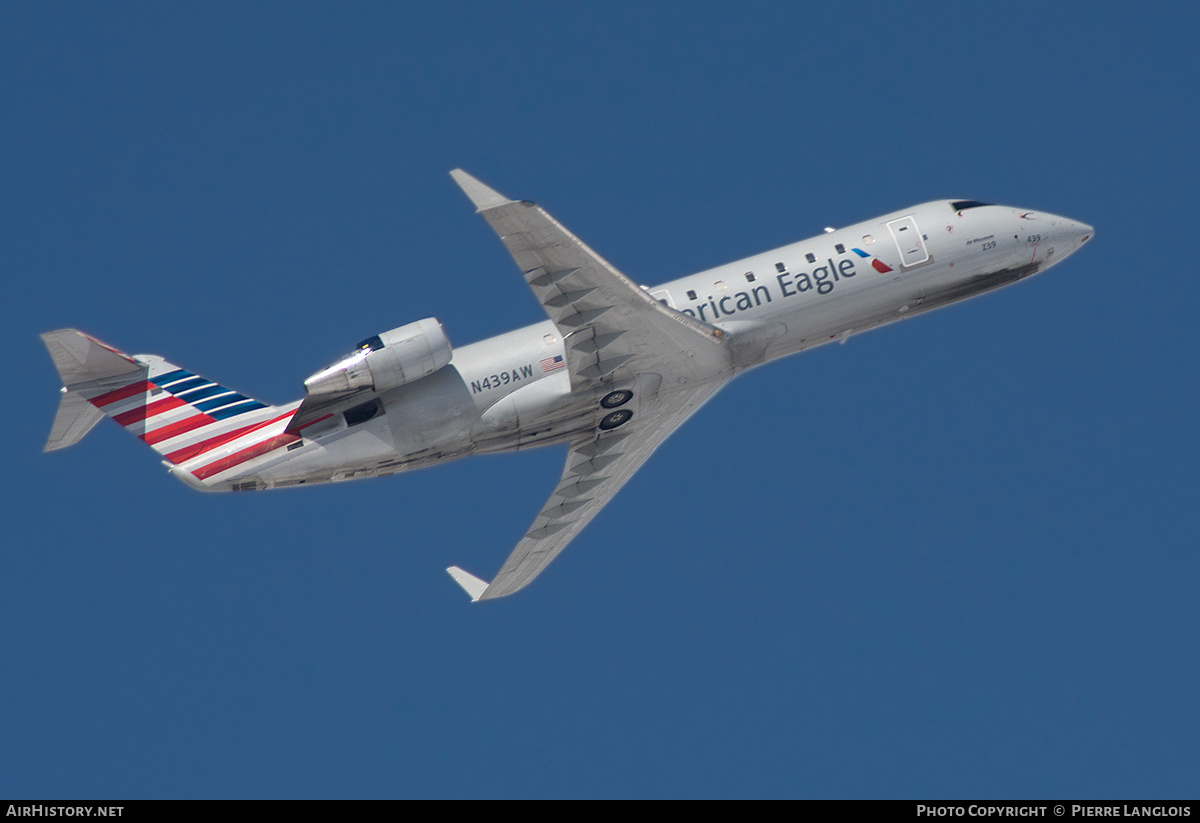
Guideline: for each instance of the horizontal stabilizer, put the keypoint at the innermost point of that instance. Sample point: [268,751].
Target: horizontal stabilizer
[471,584]
[83,359]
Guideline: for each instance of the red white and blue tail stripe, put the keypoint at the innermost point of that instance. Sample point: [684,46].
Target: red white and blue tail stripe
[203,428]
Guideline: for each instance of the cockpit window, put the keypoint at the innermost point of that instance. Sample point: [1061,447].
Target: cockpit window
[370,344]
[963,205]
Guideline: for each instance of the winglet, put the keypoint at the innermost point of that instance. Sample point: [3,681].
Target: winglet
[471,584]
[482,196]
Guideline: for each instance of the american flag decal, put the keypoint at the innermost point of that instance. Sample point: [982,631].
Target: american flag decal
[553,364]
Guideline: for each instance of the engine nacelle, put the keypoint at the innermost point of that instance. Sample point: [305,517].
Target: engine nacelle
[385,361]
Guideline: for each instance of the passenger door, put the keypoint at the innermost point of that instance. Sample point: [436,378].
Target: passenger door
[909,242]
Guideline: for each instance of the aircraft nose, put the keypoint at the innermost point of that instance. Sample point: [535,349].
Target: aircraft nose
[1058,236]
[1050,236]
[1079,232]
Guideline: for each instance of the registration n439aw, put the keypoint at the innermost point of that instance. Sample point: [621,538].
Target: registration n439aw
[611,373]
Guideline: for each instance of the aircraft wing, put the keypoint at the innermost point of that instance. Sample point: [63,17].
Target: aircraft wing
[598,464]
[614,334]
[611,327]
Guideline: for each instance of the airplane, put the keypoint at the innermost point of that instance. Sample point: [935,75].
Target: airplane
[613,371]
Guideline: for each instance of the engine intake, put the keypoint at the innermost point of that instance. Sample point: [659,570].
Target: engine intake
[385,361]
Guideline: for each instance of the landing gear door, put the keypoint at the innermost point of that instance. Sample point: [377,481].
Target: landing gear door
[909,242]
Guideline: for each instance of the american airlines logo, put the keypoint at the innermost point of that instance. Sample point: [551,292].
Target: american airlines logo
[876,263]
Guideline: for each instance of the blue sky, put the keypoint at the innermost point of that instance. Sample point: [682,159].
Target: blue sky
[955,557]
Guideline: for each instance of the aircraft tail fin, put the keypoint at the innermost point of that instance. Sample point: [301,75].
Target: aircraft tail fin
[86,366]
[179,414]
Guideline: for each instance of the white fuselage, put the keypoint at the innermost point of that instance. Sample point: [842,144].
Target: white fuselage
[513,391]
